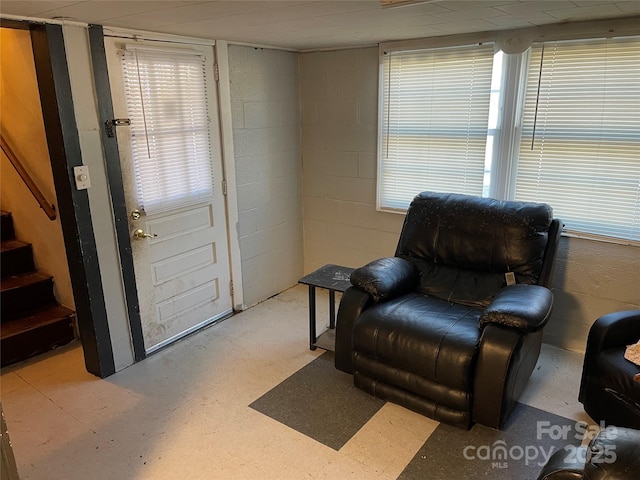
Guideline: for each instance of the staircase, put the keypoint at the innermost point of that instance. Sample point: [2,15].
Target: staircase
[31,321]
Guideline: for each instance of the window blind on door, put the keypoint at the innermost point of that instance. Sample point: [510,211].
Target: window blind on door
[433,122]
[166,97]
[580,144]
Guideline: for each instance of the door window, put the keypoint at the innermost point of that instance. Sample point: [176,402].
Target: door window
[166,100]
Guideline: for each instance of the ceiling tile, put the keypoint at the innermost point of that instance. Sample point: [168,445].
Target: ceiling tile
[629,7]
[463,27]
[589,3]
[528,8]
[469,14]
[594,11]
[100,11]
[510,21]
[310,24]
[33,9]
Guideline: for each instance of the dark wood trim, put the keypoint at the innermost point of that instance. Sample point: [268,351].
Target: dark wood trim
[15,24]
[32,186]
[116,187]
[73,205]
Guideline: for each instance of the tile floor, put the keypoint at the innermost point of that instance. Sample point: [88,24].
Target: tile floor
[183,413]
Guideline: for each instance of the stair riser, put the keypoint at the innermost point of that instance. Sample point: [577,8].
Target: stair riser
[18,260]
[6,227]
[26,345]
[18,302]
[32,321]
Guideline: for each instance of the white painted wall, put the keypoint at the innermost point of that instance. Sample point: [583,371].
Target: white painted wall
[341,224]
[85,106]
[266,135]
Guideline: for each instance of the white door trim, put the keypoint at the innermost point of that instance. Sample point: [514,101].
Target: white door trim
[229,171]
[221,48]
[176,306]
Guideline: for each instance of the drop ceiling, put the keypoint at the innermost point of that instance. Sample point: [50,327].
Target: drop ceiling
[309,25]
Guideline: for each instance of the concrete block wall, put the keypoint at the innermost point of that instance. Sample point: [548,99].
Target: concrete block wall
[341,224]
[338,92]
[266,133]
[591,279]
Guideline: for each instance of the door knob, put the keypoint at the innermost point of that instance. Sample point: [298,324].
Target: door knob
[139,233]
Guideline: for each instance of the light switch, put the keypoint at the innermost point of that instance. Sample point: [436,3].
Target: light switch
[81,175]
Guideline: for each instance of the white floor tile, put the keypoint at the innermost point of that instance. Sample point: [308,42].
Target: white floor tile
[183,412]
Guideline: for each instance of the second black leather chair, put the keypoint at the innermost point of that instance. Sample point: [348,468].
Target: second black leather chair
[613,454]
[608,391]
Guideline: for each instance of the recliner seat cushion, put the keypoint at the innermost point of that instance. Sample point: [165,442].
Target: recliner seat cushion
[458,285]
[422,335]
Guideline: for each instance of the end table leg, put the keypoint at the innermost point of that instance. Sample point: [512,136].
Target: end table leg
[312,317]
[332,309]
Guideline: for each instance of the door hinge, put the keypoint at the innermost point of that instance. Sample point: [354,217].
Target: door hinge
[224,187]
[216,72]
[231,288]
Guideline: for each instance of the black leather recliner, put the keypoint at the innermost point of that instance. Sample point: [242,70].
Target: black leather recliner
[451,326]
[608,391]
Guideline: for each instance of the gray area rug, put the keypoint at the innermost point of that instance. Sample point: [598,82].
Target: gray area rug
[322,403]
[518,451]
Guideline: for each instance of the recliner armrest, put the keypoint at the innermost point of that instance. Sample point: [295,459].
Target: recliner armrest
[524,307]
[352,304]
[386,278]
[613,330]
[613,453]
[564,466]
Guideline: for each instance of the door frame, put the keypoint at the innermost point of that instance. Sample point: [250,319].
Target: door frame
[63,142]
[116,188]
[229,172]
[114,173]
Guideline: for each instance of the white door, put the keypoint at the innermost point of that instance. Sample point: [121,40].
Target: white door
[172,174]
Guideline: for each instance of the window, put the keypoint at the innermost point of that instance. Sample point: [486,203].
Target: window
[580,146]
[434,124]
[166,100]
[561,126]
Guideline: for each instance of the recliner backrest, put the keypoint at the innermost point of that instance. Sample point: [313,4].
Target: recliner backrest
[464,244]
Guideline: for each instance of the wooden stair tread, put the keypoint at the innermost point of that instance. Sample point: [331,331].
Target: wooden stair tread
[44,317]
[31,321]
[13,244]
[17,281]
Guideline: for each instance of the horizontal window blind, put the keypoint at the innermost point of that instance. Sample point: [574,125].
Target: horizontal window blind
[433,122]
[580,144]
[166,99]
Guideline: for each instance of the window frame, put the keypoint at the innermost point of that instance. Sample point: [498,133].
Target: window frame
[594,222]
[386,55]
[504,162]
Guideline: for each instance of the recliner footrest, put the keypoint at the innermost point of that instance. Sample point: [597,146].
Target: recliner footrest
[416,403]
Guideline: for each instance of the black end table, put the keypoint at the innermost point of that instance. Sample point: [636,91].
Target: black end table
[334,278]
